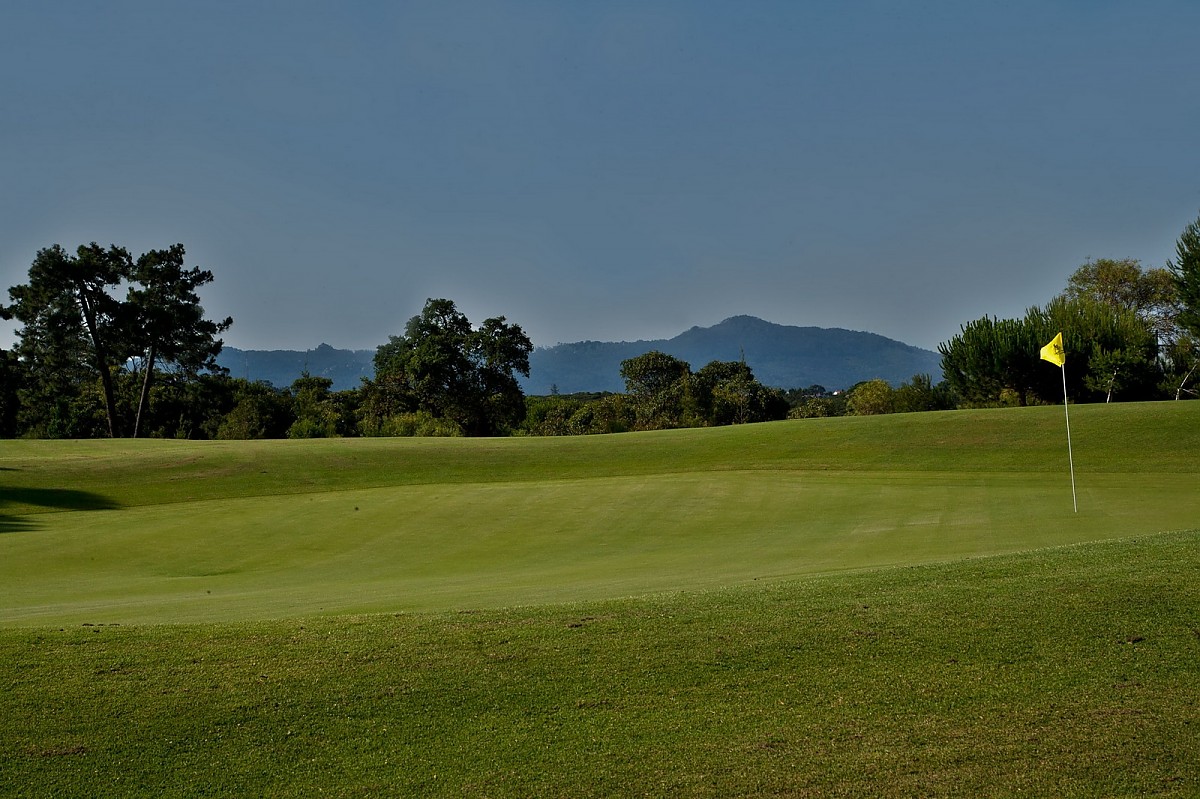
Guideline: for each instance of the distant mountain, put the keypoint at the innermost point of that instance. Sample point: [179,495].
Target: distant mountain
[779,355]
[280,367]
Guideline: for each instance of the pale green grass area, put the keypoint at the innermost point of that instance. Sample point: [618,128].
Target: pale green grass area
[491,545]
[142,532]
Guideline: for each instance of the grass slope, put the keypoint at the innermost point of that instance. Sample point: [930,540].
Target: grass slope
[1065,672]
[794,666]
[160,531]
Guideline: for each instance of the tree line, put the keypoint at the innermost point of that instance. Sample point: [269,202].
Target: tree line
[112,345]
[1130,333]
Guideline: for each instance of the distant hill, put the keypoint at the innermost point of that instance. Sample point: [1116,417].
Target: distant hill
[345,368]
[780,355]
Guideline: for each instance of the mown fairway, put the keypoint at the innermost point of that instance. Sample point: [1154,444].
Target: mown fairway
[162,531]
[795,609]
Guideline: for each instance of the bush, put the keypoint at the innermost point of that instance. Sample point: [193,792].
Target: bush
[871,398]
[415,424]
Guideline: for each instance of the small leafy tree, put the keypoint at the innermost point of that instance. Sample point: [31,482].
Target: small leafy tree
[819,407]
[1125,285]
[610,413]
[726,392]
[920,394]
[871,398]
[550,416]
[815,402]
[313,407]
[658,385]
[444,366]
[1182,365]
[260,411]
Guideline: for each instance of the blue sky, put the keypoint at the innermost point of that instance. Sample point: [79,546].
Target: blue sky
[603,170]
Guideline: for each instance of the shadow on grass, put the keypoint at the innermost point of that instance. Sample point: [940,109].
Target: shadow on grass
[56,498]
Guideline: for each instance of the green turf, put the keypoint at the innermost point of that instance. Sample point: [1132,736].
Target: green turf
[893,606]
[1064,672]
[162,531]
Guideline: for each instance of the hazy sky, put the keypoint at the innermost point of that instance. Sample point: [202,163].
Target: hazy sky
[602,170]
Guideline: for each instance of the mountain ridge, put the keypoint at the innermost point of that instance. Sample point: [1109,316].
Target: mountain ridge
[280,368]
[785,356]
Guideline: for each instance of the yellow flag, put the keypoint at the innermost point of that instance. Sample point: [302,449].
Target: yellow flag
[1054,352]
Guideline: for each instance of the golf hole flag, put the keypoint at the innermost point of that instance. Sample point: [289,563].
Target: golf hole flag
[1054,352]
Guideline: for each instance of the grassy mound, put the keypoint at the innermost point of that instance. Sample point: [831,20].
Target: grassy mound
[162,531]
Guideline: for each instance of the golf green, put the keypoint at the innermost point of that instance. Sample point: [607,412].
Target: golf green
[120,532]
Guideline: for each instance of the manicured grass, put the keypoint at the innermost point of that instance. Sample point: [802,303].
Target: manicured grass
[161,531]
[893,606]
[1063,672]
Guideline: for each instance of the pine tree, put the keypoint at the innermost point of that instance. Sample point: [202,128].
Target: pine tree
[1186,270]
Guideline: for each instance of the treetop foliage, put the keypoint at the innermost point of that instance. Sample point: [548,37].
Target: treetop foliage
[1124,285]
[446,367]
[1122,328]
[1185,269]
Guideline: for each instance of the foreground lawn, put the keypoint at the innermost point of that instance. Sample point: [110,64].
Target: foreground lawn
[1070,671]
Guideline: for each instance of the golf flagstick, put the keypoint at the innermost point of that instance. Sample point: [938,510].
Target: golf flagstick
[1070,455]
[1055,354]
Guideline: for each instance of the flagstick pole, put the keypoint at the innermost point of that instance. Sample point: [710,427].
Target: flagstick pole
[1070,455]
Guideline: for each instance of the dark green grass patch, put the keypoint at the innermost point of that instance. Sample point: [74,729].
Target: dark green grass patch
[1064,672]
